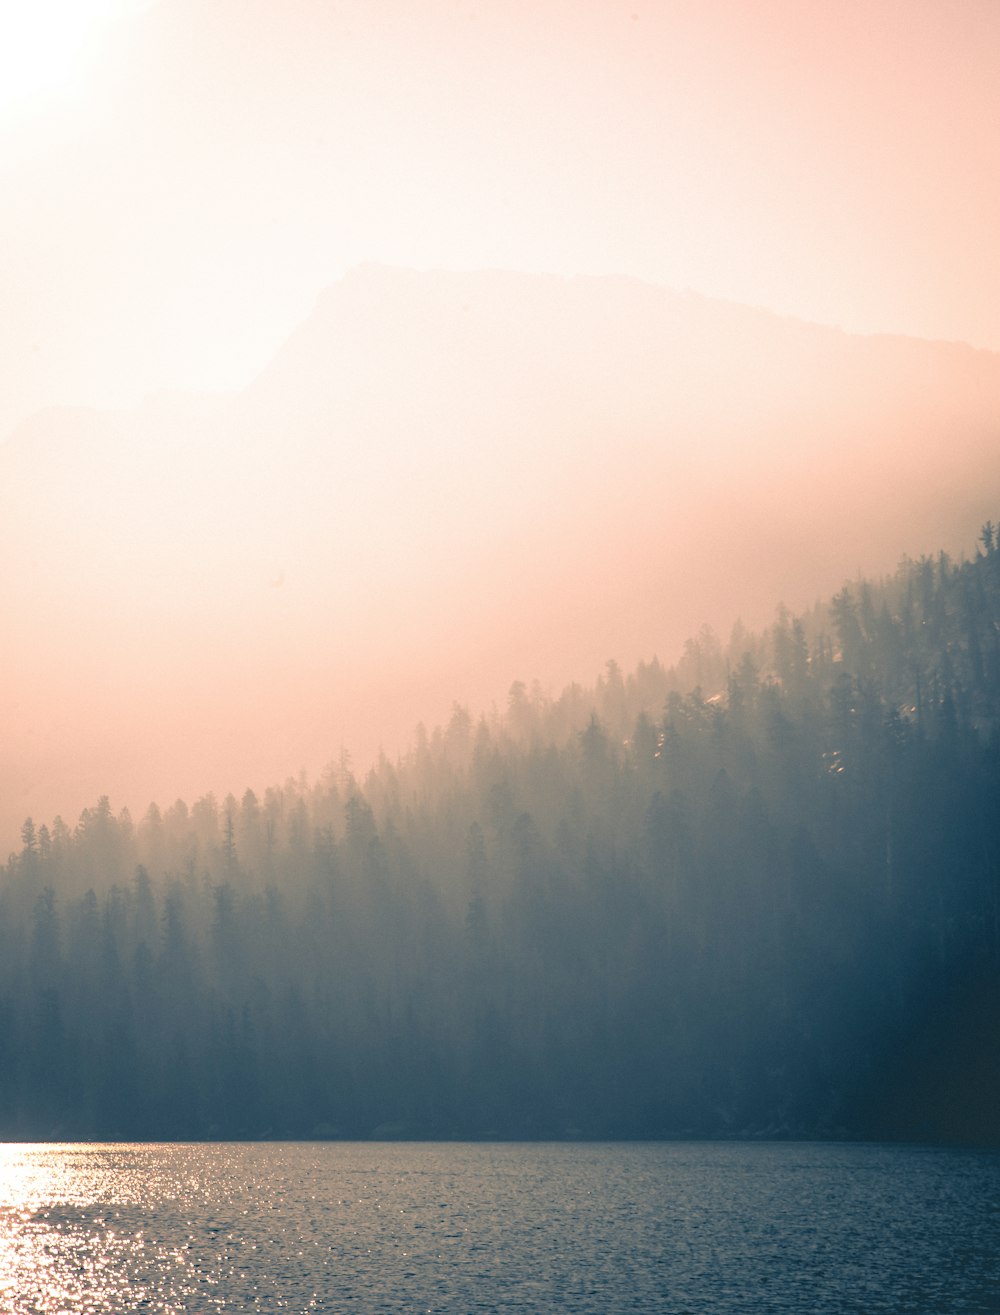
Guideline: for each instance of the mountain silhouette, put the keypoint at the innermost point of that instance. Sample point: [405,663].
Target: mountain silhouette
[457,479]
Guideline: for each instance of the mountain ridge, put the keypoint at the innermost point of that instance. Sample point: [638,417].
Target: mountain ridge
[452,498]
[361,276]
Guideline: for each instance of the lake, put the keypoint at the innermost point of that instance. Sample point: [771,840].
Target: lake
[596,1228]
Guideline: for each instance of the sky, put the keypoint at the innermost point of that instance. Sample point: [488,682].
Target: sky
[181,179]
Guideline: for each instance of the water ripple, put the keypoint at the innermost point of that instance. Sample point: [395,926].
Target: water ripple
[676,1229]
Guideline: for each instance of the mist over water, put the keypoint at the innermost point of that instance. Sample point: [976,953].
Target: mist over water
[451,1228]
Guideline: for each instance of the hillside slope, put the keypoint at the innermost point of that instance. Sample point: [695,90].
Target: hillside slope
[640,909]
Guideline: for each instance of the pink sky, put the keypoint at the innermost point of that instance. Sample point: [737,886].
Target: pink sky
[172,214]
[172,211]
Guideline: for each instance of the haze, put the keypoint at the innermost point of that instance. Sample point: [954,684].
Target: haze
[424,485]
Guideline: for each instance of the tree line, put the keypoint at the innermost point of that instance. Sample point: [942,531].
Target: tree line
[754,893]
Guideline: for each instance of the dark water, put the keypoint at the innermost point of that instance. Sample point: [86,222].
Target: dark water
[719,1228]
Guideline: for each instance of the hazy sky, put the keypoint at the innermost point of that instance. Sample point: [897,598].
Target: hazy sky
[181,178]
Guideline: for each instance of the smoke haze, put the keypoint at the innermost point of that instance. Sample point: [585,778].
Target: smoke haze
[444,482]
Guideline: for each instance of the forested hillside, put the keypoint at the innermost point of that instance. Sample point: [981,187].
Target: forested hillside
[757,893]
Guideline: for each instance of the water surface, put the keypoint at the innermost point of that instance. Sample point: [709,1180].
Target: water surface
[591,1228]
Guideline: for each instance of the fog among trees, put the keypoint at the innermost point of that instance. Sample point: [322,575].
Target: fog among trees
[756,893]
[441,480]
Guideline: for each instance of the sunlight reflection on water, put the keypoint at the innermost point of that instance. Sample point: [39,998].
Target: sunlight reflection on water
[102,1229]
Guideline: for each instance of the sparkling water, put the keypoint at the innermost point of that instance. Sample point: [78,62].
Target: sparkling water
[595,1228]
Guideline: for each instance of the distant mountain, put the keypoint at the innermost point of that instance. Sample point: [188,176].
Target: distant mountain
[441,482]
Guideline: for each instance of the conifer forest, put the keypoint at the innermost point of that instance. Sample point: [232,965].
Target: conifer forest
[752,894]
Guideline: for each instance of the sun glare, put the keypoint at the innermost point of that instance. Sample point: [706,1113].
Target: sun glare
[42,42]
